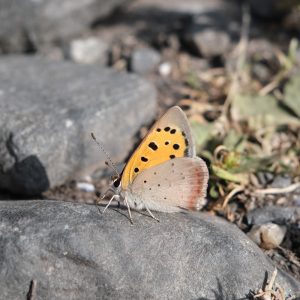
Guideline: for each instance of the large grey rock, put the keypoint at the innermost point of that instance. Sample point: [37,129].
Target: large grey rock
[27,24]
[74,252]
[48,110]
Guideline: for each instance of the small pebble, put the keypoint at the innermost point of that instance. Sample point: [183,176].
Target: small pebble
[209,42]
[85,186]
[144,60]
[261,72]
[88,51]
[267,236]
[281,181]
[165,69]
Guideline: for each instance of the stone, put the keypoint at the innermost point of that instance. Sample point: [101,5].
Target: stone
[27,25]
[274,214]
[165,69]
[74,252]
[48,111]
[210,34]
[281,181]
[144,60]
[264,178]
[296,199]
[267,236]
[85,187]
[88,51]
[261,72]
[183,8]
[210,42]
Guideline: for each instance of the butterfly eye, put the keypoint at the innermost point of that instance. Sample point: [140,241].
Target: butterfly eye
[117,182]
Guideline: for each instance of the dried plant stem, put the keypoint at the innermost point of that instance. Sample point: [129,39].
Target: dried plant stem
[284,190]
[233,192]
[241,54]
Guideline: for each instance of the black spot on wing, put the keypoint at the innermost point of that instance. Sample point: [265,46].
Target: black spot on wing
[144,159]
[176,146]
[153,146]
[173,131]
[167,128]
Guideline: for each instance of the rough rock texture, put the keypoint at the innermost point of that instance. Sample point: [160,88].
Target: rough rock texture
[26,24]
[48,110]
[74,252]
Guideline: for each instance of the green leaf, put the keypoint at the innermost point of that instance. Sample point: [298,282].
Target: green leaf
[292,94]
[213,193]
[202,133]
[226,175]
[234,141]
[260,111]
[192,80]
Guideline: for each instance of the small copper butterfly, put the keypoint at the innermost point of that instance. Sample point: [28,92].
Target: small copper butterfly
[163,174]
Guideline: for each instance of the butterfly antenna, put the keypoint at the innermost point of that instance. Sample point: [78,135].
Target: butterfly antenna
[112,165]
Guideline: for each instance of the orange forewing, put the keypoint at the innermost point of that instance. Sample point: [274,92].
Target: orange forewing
[169,138]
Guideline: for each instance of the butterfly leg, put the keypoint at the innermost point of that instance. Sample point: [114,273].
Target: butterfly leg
[129,212]
[104,195]
[151,214]
[109,202]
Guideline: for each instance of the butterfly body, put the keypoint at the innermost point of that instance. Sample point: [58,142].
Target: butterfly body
[164,174]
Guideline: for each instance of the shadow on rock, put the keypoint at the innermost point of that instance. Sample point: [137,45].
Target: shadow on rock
[27,177]
[221,294]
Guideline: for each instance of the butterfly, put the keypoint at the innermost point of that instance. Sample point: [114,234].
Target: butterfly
[163,174]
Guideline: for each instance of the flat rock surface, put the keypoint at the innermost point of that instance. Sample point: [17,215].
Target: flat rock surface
[48,110]
[74,252]
[26,25]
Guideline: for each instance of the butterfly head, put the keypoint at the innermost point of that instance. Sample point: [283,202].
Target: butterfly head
[116,183]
